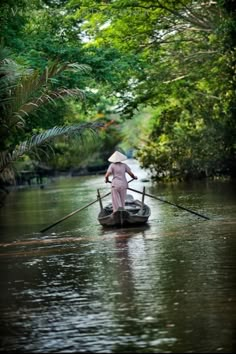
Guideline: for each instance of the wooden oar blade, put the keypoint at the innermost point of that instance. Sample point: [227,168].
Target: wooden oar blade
[74,212]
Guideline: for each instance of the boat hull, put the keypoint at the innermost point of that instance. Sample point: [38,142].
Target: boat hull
[133,214]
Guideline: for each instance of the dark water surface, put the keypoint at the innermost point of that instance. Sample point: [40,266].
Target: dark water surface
[168,287]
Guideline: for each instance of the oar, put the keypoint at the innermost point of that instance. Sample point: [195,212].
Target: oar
[165,201]
[73,212]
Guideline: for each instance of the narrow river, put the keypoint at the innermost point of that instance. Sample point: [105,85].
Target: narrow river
[168,287]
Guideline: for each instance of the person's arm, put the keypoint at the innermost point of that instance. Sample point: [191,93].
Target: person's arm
[108,173]
[132,175]
[128,170]
[107,176]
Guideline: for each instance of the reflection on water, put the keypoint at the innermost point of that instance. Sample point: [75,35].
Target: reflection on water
[167,287]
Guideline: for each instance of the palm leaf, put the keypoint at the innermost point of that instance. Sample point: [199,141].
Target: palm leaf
[25,91]
[27,146]
[50,97]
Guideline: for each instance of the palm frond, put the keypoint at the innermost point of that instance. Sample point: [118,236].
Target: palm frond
[50,97]
[36,140]
[55,68]
[31,89]
[25,90]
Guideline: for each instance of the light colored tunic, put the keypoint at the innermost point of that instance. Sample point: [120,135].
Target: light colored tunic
[119,184]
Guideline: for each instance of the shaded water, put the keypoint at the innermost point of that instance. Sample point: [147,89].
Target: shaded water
[168,287]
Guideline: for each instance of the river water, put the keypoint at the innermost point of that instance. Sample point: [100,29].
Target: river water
[168,287]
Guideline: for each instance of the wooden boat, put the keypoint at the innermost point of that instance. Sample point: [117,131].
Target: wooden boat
[135,213]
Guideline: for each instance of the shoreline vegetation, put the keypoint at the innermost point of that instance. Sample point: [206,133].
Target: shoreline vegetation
[32,179]
[42,177]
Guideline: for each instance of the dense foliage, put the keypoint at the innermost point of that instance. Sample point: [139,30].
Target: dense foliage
[186,69]
[43,82]
[160,73]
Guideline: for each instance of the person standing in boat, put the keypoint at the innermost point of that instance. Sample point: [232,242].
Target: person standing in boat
[119,183]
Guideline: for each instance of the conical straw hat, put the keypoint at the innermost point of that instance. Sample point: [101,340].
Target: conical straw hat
[117,157]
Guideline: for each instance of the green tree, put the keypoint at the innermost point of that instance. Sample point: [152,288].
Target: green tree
[181,51]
